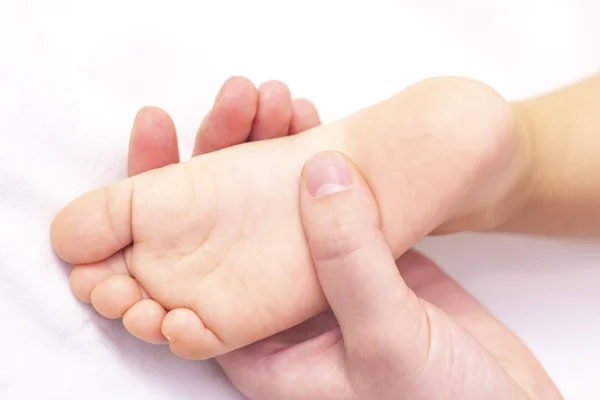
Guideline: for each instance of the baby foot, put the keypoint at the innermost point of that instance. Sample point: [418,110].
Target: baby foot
[217,244]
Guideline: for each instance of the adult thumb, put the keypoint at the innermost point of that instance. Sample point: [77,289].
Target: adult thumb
[355,266]
[394,341]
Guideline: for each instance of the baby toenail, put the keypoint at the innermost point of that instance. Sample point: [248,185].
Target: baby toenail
[170,339]
[327,173]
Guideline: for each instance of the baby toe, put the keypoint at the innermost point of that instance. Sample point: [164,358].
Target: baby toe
[115,295]
[188,336]
[144,319]
[84,278]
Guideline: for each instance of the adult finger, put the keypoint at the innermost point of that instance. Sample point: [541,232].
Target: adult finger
[354,264]
[304,116]
[274,111]
[153,141]
[230,120]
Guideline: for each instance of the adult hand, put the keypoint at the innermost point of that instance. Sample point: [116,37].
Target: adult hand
[392,341]
[397,329]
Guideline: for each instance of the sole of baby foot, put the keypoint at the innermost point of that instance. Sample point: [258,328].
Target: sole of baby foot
[218,243]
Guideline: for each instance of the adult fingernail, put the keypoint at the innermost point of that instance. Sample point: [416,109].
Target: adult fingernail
[327,173]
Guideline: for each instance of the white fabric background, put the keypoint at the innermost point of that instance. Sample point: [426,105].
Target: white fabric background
[73,73]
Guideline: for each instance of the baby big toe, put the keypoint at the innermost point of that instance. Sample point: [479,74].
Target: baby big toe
[188,336]
[115,295]
[144,319]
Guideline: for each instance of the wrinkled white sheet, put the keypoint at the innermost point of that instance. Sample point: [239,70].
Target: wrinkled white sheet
[73,73]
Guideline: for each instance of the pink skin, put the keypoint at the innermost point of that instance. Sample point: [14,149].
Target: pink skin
[364,356]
